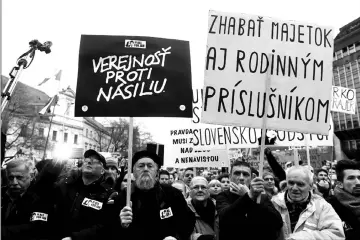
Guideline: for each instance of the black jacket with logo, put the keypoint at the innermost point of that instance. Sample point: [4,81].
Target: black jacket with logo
[350,222]
[28,217]
[84,211]
[157,213]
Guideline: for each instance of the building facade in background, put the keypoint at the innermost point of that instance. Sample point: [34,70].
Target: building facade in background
[68,136]
[346,73]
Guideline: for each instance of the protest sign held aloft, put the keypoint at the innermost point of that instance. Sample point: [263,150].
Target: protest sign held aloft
[343,100]
[206,135]
[133,76]
[243,50]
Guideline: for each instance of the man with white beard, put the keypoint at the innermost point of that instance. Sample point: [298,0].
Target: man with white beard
[157,212]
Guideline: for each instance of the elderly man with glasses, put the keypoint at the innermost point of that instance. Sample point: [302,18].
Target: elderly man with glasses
[200,203]
[83,207]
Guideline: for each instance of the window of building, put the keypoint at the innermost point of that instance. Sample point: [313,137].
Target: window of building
[54,135]
[87,131]
[75,139]
[338,54]
[68,107]
[352,145]
[352,49]
[346,145]
[356,122]
[91,134]
[41,132]
[348,122]
[345,52]
[357,46]
[65,137]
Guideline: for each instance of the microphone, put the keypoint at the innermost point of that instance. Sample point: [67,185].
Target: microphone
[46,47]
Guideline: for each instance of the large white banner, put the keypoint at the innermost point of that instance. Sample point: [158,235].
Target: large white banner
[197,140]
[343,100]
[242,49]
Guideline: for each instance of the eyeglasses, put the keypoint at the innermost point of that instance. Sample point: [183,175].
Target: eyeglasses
[198,187]
[92,161]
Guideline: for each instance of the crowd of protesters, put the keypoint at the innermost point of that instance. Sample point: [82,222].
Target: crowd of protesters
[52,200]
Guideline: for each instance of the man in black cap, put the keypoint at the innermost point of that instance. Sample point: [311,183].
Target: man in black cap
[158,212]
[83,204]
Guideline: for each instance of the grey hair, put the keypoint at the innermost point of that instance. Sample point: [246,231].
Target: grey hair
[199,178]
[29,164]
[305,170]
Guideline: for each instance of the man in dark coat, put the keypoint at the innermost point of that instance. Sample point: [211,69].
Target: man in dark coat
[240,216]
[346,198]
[84,209]
[24,215]
[158,211]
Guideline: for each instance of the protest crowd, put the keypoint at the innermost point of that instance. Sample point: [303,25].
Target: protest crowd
[51,200]
[193,191]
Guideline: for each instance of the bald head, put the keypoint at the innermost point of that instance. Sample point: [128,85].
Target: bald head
[197,179]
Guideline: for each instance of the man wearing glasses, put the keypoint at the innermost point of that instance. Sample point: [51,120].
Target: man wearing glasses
[158,211]
[83,209]
[203,207]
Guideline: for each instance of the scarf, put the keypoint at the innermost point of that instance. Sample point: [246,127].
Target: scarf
[295,209]
[348,200]
[207,214]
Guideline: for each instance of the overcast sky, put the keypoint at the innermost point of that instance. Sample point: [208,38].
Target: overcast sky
[63,22]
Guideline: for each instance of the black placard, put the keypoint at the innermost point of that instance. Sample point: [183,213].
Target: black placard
[133,76]
[151,147]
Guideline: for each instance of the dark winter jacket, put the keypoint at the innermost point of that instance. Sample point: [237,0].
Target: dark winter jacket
[84,211]
[157,213]
[28,217]
[243,218]
[350,222]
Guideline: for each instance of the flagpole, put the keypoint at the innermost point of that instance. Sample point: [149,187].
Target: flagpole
[47,138]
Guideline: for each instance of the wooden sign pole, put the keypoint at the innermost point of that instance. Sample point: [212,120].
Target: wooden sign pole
[128,190]
[307,149]
[296,157]
[263,128]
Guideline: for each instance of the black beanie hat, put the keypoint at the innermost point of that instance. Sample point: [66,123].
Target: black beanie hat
[146,154]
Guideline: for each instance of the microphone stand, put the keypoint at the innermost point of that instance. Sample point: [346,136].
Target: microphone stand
[23,62]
